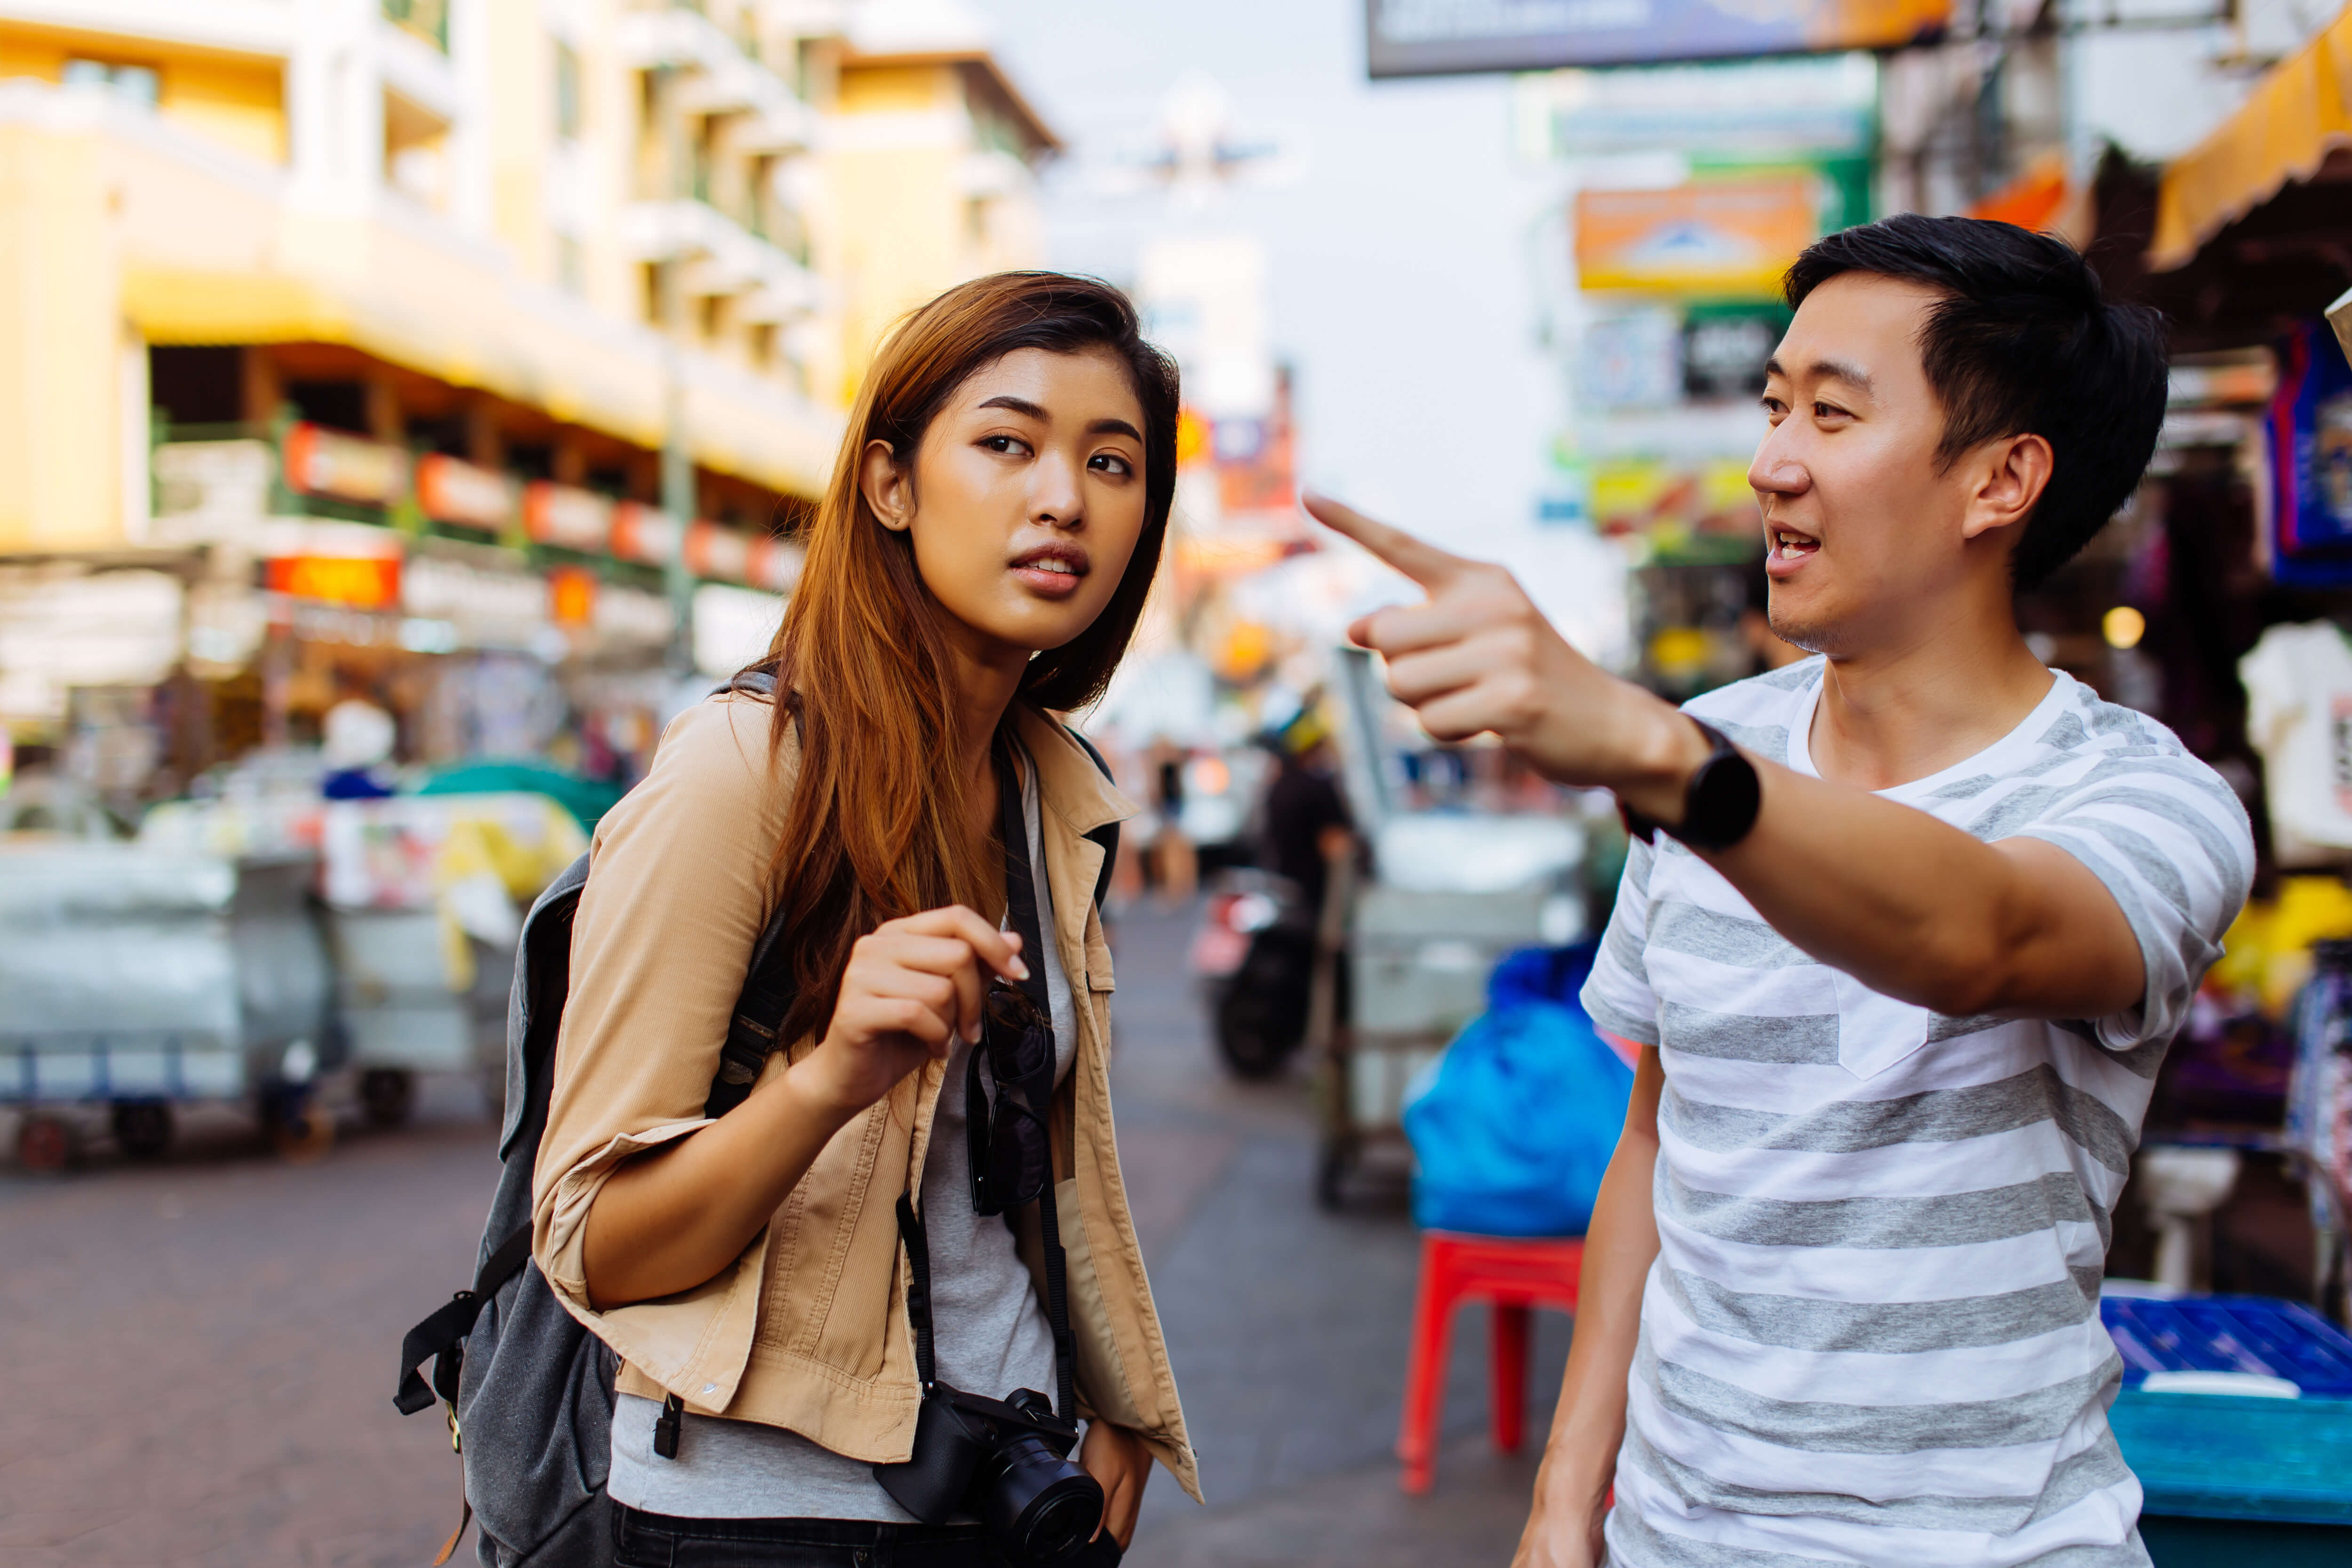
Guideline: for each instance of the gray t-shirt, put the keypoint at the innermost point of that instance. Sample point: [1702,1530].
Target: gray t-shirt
[991,1334]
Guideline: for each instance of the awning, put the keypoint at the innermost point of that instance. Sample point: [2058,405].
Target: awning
[2295,116]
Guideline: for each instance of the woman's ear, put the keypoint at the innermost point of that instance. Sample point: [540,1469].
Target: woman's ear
[888,488]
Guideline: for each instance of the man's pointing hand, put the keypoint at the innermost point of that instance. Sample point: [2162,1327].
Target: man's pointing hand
[1477,656]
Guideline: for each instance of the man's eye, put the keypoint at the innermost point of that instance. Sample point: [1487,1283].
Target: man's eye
[1828,411]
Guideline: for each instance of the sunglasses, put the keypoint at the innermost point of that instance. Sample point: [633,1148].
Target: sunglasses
[1008,1085]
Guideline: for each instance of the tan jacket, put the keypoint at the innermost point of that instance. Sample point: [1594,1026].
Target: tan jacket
[808,1328]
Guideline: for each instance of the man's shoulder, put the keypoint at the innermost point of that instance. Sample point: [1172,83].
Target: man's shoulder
[1758,711]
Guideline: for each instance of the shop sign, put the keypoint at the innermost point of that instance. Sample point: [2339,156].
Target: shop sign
[1437,37]
[572,596]
[633,616]
[644,534]
[491,609]
[718,553]
[323,462]
[452,491]
[2311,462]
[359,582]
[1731,236]
[775,565]
[1678,505]
[1725,351]
[567,516]
[1633,361]
[1825,105]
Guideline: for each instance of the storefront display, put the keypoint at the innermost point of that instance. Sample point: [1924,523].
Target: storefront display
[2299,681]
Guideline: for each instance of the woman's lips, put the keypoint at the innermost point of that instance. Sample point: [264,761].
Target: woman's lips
[1052,574]
[1053,584]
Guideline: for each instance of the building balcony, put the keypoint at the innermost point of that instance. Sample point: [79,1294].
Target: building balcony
[716,255]
[144,234]
[719,78]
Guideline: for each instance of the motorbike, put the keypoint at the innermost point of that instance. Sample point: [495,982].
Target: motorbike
[1254,957]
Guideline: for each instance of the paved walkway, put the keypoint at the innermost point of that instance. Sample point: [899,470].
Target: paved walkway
[201,1352]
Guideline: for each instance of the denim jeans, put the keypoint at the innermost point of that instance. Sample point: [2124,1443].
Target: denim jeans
[658,1540]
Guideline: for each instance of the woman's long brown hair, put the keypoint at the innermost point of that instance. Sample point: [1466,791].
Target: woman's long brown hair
[879,828]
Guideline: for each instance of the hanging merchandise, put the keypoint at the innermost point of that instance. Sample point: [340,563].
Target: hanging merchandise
[2311,462]
[2319,1100]
[2298,683]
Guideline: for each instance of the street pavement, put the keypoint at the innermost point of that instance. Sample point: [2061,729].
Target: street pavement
[202,1350]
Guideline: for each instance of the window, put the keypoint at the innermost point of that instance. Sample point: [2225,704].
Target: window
[763,345]
[134,84]
[567,92]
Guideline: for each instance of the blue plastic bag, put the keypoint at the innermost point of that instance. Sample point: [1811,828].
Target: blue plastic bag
[1513,1127]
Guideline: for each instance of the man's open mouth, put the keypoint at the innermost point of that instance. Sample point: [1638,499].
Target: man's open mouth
[1791,546]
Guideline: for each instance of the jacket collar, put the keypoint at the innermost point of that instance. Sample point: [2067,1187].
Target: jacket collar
[1068,783]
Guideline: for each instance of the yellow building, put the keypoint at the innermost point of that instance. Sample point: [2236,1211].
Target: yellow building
[576,286]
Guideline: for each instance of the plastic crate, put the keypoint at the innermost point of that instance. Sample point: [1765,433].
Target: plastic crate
[2227,1479]
[2230,1333]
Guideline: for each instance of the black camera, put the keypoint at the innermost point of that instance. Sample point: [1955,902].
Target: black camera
[1006,1462]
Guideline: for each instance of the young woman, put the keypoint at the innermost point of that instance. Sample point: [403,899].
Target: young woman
[981,558]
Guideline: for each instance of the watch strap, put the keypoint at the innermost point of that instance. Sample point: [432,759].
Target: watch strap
[1719,801]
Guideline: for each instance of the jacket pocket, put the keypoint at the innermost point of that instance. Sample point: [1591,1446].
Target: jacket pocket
[1875,1032]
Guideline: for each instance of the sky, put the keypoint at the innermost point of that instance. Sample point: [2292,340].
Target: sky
[1402,239]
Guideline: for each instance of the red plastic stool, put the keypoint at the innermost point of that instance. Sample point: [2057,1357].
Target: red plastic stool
[1512,1273]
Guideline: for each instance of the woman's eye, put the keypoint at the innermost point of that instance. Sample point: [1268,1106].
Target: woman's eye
[1111,463]
[1008,445]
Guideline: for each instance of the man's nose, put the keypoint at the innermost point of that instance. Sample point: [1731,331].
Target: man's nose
[1774,471]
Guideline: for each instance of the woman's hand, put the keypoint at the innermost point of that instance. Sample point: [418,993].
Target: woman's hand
[912,988]
[1119,1462]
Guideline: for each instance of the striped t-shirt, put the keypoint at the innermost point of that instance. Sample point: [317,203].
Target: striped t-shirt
[1872,1333]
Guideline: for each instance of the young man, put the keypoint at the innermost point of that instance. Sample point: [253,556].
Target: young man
[1909,931]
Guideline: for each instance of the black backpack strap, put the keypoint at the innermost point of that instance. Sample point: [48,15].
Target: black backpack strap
[442,1336]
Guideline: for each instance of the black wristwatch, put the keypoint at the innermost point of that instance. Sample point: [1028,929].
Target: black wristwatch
[1719,804]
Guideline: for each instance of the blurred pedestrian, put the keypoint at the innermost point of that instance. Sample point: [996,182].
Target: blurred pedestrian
[1904,935]
[1308,824]
[981,557]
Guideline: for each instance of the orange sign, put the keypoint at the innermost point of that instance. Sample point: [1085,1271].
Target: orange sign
[363,582]
[572,596]
[323,462]
[566,515]
[453,491]
[1711,237]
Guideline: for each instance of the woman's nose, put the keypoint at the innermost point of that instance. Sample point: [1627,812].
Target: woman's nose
[1057,499]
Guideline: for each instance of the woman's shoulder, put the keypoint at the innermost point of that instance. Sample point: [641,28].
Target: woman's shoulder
[720,760]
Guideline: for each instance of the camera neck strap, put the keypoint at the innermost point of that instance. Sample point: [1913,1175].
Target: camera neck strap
[1021,909]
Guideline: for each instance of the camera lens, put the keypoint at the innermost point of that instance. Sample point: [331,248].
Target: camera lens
[1039,1505]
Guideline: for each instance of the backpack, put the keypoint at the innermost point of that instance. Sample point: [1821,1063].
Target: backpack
[527,1390]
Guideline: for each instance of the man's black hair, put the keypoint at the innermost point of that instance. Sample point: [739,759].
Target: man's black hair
[2023,343]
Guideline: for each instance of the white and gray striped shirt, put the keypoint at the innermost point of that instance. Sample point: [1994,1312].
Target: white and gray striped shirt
[1872,1333]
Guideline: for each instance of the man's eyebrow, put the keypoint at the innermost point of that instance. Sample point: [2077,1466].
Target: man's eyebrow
[1842,370]
[1115,427]
[1825,370]
[1019,405]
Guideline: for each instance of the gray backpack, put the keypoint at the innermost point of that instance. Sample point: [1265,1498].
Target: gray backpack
[528,1391]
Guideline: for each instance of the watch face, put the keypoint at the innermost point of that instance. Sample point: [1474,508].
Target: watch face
[1723,797]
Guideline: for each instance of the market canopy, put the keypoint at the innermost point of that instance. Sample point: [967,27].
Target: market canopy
[2285,131]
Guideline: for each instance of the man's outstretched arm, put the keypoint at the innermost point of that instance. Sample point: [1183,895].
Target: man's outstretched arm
[1912,907]
[1580,1462]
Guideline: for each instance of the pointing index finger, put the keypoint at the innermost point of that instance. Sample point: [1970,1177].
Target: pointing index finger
[1424,563]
